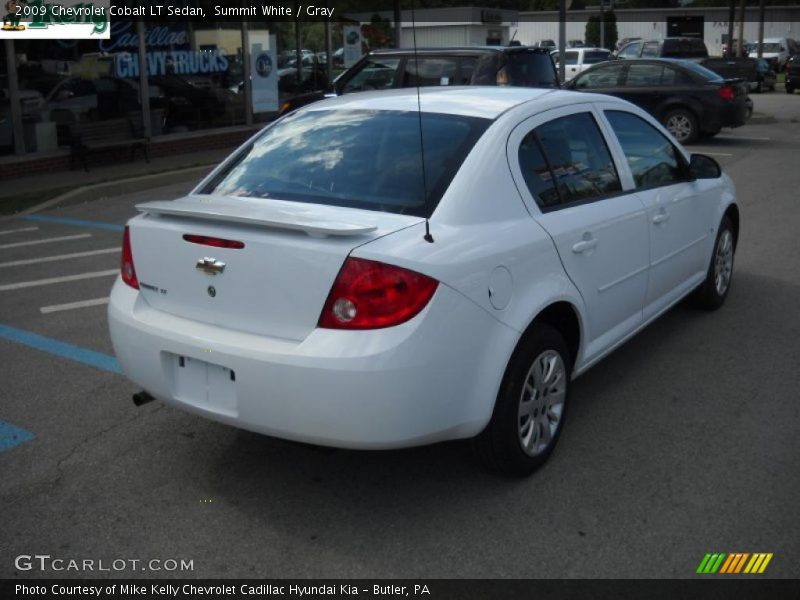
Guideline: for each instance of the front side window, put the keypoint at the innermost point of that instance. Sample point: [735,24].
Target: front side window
[631,50]
[652,158]
[377,74]
[359,158]
[650,50]
[578,163]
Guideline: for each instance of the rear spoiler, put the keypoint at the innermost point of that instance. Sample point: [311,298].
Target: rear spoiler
[280,215]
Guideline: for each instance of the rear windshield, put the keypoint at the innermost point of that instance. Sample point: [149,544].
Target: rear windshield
[357,158]
[531,69]
[706,74]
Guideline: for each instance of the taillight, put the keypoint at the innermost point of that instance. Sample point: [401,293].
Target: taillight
[726,92]
[127,268]
[216,242]
[371,295]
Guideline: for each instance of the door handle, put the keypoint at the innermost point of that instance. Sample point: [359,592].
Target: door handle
[661,218]
[584,245]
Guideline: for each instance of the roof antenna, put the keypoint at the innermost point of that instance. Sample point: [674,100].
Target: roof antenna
[427,237]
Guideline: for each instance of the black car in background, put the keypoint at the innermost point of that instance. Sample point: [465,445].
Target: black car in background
[690,100]
[401,68]
[793,74]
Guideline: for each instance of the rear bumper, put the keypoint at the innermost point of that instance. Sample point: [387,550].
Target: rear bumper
[726,114]
[433,378]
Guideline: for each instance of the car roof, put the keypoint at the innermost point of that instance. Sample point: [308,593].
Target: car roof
[488,102]
[457,50]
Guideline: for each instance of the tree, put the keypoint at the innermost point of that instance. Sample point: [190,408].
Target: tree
[592,37]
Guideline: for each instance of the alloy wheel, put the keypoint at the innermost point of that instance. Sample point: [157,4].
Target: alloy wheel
[680,126]
[723,262]
[541,402]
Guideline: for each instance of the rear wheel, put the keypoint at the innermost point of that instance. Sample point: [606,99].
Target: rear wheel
[531,405]
[789,89]
[712,292]
[682,124]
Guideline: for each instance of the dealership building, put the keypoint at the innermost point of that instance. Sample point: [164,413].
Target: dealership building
[194,72]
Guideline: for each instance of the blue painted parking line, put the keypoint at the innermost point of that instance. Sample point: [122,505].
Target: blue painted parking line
[76,222]
[62,349]
[11,436]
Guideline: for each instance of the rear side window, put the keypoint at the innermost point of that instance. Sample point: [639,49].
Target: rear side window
[466,68]
[570,58]
[375,74]
[579,164]
[359,158]
[429,71]
[652,158]
[607,76]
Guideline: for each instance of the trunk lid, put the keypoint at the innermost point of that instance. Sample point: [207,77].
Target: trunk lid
[275,285]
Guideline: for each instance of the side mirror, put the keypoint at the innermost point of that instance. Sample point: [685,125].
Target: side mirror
[704,167]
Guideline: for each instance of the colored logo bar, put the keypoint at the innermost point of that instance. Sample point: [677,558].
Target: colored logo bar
[734,563]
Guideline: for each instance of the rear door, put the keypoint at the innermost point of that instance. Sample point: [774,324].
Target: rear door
[564,169]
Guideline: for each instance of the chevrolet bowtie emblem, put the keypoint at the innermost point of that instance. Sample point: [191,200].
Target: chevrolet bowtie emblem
[210,266]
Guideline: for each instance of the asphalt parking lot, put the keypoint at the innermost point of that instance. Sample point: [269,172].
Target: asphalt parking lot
[683,442]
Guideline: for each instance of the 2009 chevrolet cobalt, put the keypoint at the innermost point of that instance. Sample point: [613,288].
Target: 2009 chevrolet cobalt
[384,270]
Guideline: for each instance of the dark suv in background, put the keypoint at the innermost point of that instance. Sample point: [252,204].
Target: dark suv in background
[793,74]
[693,49]
[491,65]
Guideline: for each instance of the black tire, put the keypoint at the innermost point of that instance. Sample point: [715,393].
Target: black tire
[759,88]
[682,124]
[708,295]
[500,444]
[789,89]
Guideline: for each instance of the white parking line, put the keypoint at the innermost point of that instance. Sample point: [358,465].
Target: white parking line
[52,280]
[31,261]
[745,138]
[63,238]
[7,231]
[71,305]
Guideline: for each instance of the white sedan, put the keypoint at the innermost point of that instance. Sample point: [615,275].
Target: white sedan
[382,270]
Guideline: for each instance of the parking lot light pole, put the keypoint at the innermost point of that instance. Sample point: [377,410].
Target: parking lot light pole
[761,27]
[731,19]
[740,41]
[562,39]
[248,83]
[13,98]
[144,84]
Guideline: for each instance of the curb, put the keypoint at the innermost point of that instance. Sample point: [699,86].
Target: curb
[96,191]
